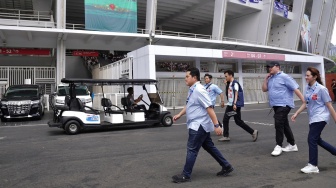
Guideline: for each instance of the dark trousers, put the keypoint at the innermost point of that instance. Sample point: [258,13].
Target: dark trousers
[314,139]
[196,140]
[237,119]
[282,125]
[334,91]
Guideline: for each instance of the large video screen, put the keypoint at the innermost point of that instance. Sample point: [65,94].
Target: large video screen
[111,15]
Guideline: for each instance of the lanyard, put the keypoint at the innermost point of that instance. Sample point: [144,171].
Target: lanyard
[190,93]
[308,98]
[208,86]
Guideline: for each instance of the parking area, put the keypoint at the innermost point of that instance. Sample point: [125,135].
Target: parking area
[34,155]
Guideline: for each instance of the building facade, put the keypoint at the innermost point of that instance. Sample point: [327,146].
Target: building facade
[300,29]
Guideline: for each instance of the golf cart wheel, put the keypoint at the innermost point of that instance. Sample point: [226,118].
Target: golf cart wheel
[72,127]
[167,120]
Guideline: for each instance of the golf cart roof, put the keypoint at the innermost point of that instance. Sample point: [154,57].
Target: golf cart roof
[108,81]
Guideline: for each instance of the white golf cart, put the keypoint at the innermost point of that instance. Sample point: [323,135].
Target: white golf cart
[74,116]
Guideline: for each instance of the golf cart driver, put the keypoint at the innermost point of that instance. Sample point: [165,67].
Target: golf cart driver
[133,103]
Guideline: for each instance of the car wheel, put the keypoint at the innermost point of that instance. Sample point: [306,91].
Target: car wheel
[72,127]
[3,119]
[167,120]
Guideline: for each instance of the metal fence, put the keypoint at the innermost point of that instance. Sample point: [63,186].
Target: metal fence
[15,75]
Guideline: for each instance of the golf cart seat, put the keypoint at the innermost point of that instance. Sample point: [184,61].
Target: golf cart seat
[107,104]
[127,106]
[62,107]
[76,104]
[113,116]
[135,114]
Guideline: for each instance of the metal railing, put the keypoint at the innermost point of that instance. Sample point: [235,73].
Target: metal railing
[75,26]
[17,14]
[242,41]
[176,34]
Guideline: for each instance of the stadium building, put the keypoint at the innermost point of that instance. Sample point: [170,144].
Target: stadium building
[46,40]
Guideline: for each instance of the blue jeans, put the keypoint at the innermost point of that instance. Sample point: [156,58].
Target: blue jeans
[195,141]
[314,139]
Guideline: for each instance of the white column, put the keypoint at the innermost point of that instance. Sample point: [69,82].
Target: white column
[198,63]
[60,50]
[151,16]
[265,20]
[240,72]
[60,61]
[61,14]
[294,26]
[219,19]
[325,27]
[315,20]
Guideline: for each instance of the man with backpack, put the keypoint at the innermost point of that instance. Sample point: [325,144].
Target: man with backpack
[235,97]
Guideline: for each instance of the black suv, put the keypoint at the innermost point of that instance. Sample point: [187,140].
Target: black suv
[21,101]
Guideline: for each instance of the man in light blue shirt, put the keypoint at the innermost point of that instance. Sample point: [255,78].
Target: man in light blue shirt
[213,90]
[201,120]
[281,87]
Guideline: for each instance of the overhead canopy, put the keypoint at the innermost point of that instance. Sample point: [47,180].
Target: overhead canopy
[108,81]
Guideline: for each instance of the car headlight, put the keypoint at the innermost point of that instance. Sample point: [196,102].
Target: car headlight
[60,101]
[4,102]
[35,102]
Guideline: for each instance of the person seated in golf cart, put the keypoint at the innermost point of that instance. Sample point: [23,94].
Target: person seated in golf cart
[133,103]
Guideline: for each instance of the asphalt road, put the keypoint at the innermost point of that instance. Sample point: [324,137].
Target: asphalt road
[34,155]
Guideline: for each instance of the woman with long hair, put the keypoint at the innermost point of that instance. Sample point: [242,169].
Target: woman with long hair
[319,107]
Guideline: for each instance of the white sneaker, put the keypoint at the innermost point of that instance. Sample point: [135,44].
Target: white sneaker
[277,150]
[309,169]
[290,148]
[224,139]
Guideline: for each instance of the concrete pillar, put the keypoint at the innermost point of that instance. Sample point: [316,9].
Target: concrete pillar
[265,20]
[60,61]
[315,20]
[240,72]
[330,30]
[325,27]
[151,16]
[61,14]
[294,26]
[219,19]
[198,63]
[60,50]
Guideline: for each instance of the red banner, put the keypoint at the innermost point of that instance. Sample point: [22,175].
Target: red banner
[252,55]
[17,51]
[85,53]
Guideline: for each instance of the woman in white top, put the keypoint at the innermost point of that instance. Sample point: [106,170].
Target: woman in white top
[319,107]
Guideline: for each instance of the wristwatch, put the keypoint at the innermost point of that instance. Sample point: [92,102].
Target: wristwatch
[217,125]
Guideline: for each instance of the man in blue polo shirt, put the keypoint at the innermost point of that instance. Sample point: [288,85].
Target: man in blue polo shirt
[280,87]
[201,120]
[213,90]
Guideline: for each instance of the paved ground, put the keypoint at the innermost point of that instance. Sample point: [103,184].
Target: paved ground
[34,155]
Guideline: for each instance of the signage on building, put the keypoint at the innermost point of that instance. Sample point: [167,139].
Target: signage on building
[85,53]
[16,51]
[252,55]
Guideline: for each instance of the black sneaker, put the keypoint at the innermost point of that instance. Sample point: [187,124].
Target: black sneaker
[181,178]
[225,171]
